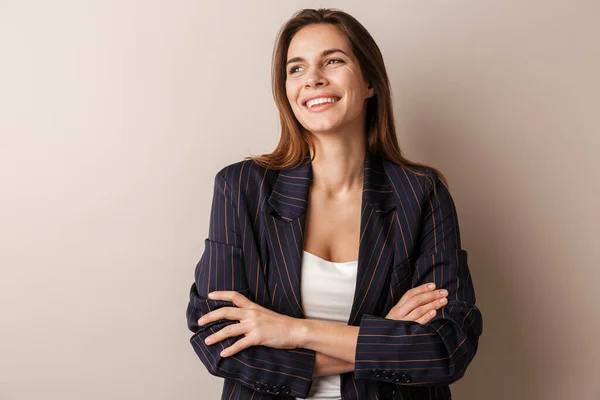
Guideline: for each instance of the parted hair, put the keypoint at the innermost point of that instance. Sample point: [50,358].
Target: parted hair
[295,141]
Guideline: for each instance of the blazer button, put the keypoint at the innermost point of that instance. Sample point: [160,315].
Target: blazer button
[406,378]
[258,386]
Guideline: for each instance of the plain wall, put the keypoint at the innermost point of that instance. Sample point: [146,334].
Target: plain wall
[116,115]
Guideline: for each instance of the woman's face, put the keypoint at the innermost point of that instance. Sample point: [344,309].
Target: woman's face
[321,65]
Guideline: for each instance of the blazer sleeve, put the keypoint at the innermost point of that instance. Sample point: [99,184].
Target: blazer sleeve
[221,267]
[436,353]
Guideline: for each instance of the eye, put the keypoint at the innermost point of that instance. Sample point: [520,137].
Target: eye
[293,69]
[335,59]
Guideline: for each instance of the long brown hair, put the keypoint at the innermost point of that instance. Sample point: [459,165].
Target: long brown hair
[381,131]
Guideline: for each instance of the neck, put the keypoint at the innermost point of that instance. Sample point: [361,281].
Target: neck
[338,166]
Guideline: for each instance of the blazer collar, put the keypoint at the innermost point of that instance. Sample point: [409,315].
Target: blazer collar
[289,197]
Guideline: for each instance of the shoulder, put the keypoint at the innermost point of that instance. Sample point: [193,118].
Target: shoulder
[244,170]
[420,180]
[246,179]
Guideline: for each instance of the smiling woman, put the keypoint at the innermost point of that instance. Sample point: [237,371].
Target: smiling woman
[333,268]
[321,56]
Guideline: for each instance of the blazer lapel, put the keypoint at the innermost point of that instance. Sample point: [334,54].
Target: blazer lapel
[285,235]
[377,239]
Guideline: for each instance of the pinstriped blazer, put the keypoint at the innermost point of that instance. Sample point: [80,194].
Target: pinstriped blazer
[409,236]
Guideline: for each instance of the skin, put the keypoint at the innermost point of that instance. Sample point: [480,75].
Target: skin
[323,63]
[265,327]
[337,184]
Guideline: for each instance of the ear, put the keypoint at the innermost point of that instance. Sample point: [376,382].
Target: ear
[370,91]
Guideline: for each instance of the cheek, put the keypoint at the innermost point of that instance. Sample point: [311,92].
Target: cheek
[347,83]
[292,98]
[290,93]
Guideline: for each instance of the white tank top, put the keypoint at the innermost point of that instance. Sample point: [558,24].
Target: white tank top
[327,294]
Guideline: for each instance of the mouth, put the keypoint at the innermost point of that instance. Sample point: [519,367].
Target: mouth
[321,103]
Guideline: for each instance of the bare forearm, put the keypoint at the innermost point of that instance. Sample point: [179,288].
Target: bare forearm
[329,338]
[326,365]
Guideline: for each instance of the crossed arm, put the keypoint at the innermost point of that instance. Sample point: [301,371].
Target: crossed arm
[334,344]
[439,351]
[326,365]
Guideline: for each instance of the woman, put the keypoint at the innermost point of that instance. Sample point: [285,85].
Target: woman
[318,279]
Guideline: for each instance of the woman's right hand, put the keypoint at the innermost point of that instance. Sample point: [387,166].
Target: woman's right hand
[419,304]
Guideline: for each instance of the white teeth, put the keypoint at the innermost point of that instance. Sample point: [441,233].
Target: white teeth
[321,100]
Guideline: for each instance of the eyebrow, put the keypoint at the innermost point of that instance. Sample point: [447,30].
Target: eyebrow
[323,54]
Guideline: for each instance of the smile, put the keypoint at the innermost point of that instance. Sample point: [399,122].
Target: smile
[321,103]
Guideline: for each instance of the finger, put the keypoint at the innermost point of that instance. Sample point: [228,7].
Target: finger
[405,307]
[236,347]
[424,309]
[426,298]
[424,288]
[427,302]
[232,330]
[233,313]
[230,295]
[411,293]
[427,317]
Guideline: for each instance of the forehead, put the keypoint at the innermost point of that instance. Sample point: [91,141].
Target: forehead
[313,39]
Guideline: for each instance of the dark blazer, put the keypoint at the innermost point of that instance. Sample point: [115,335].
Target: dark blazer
[409,236]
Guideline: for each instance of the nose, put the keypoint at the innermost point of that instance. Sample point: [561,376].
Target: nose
[314,79]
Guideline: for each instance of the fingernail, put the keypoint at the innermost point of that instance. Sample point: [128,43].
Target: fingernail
[443,300]
[444,292]
[200,321]
[431,286]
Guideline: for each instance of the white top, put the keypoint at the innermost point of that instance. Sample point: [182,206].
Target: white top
[327,294]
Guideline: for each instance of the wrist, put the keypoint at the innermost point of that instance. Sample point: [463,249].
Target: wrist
[300,329]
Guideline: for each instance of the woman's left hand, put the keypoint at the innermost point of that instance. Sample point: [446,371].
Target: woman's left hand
[260,325]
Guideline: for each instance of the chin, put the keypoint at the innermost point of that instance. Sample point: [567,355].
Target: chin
[323,127]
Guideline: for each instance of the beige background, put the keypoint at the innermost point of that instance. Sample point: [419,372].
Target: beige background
[115,116]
